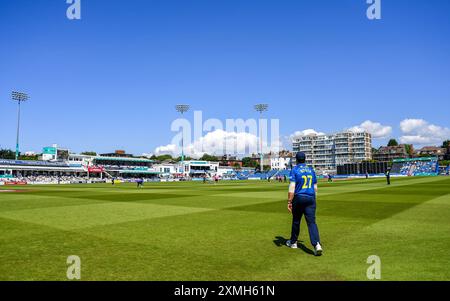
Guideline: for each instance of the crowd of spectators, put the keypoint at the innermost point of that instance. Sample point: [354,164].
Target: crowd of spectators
[418,167]
[411,168]
[41,179]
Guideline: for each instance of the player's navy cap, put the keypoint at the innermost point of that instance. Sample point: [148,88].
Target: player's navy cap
[300,157]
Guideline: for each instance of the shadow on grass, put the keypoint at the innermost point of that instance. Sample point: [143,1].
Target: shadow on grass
[280,241]
[304,248]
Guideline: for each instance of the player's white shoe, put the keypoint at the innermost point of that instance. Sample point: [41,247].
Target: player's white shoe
[291,245]
[318,250]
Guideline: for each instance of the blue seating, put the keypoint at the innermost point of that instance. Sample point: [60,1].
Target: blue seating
[416,168]
[245,175]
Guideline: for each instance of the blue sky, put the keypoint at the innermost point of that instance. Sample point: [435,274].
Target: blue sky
[111,80]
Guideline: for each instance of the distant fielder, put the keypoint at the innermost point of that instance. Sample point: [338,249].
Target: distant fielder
[140,183]
[302,201]
[388,176]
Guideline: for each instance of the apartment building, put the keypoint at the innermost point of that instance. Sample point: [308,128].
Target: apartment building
[389,153]
[326,152]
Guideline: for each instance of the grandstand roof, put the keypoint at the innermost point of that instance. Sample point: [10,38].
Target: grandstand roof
[123,159]
[33,163]
[138,171]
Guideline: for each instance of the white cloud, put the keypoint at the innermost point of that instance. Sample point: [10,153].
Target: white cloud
[306,132]
[166,149]
[375,128]
[219,142]
[410,125]
[147,155]
[419,131]
[415,139]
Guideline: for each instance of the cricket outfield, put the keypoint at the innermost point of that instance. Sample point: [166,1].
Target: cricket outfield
[232,230]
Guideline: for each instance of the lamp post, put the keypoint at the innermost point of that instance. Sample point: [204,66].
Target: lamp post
[182,108]
[19,97]
[261,108]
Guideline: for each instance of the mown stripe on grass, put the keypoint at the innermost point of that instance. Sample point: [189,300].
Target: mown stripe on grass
[412,244]
[39,202]
[82,216]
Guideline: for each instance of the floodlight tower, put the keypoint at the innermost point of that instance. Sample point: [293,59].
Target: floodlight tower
[261,107]
[19,97]
[182,108]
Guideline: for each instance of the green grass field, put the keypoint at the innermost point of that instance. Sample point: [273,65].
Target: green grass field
[228,231]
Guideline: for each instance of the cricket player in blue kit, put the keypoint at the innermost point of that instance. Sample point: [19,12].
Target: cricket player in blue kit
[302,201]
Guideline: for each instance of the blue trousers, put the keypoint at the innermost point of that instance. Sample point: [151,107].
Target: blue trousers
[304,205]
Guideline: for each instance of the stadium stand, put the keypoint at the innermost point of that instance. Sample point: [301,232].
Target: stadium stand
[415,167]
[104,169]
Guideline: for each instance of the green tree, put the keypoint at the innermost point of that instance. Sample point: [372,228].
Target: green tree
[369,161]
[7,154]
[207,157]
[446,144]
[409,149]
[248,162]
[29,158]
[236,165]
[164,157]
[444,162]
[89,153]
[186,158]
[392,142]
